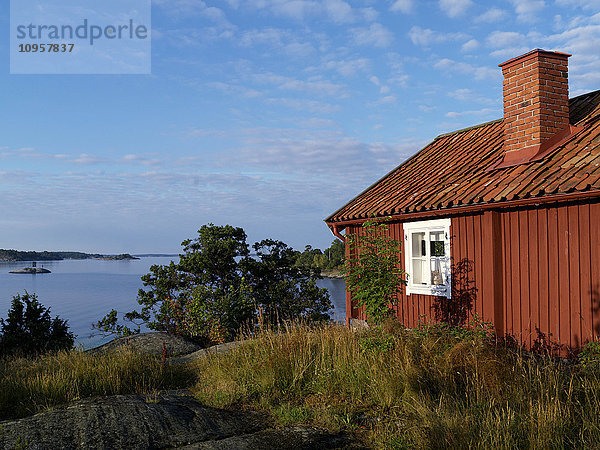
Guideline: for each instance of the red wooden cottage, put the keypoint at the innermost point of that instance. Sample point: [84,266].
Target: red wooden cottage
[516,204]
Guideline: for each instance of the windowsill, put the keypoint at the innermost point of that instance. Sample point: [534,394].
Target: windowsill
[436,291]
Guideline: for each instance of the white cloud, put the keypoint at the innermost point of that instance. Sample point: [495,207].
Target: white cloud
[468,95]
[349,67]
[492,15]
[297,9]
[318,152]
[385,100]
[187,8]
[369,14]
[484,112]
[583,4]
[403,6]
[376,35]
[581,41]
[509,44]
[425,37]
[302,104]
[503,39]
[455,8]
[528,10]
[87,159]
[314,85]
[470,46]
[339,11]
[383,89]
[477,72]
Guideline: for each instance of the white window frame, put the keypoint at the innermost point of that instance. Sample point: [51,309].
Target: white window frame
[427,226]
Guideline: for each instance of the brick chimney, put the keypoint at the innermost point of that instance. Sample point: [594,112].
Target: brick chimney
[536,105]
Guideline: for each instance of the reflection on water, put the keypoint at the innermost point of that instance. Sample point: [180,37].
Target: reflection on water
[83,291]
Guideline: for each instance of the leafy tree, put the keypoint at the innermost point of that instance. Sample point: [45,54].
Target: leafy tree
[217,286]
[372,270]
[335,255]
[29,329]
[282,289]
[330,258]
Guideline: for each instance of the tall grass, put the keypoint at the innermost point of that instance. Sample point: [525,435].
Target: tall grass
[30,385]
[429,388]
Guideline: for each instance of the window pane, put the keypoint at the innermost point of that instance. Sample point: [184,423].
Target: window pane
[437,243]
[418,267]
[437,272]
[418,241]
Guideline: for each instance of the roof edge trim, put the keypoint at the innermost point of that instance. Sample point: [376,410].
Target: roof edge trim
[554,198]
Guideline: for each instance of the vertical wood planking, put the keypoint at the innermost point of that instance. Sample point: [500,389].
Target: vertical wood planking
[563,274]
[585,287]
[478,268]
[553,280]
[470,252]
[515,275]
[543,297]
[394,235]
[524,277]
[533,269]
[574,277]
[506,248]
[595,267]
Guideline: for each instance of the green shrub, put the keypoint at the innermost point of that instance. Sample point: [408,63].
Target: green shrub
[29,329]
[372,270]
[589,357]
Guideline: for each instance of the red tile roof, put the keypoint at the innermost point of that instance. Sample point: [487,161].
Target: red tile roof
[453,170]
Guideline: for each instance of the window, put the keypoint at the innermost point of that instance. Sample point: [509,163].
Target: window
[427,257]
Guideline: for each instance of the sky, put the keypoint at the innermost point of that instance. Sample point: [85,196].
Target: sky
[263,114]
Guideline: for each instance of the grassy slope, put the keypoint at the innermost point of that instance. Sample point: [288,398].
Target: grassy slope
[395,389]
[428,388]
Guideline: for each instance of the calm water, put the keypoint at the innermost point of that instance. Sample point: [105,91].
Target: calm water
[83,291]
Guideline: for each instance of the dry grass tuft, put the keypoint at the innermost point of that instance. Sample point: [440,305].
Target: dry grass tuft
[30,385]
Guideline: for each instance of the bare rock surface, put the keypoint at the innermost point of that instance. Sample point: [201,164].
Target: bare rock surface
[289,438]
[152,343]
[215,349]
[165,420]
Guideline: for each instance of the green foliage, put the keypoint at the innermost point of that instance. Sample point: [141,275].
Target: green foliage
[331,258]
[283,290]
[589,357]
[290,415]
[377,342]
[217,287]
[475,329]
[372,270]
[109,324]
[29,329]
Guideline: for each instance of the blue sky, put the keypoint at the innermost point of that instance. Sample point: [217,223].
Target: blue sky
[264,114]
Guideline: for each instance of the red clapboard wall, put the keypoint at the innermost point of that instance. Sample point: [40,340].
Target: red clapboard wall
[535,270]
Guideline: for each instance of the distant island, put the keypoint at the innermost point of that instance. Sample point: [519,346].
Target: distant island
[157,255]
[16,255]
[122,256]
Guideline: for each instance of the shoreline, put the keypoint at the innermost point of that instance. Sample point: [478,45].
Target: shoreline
[333,274]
